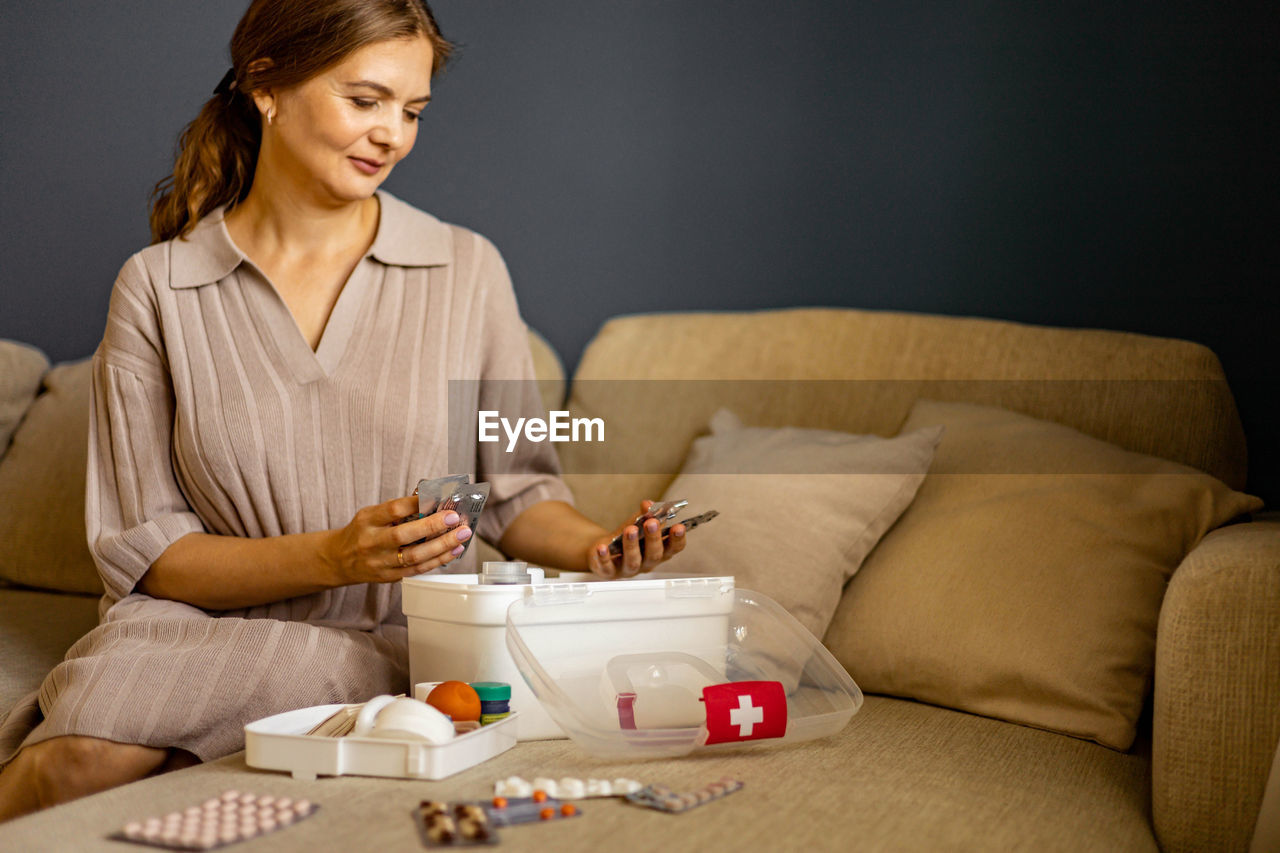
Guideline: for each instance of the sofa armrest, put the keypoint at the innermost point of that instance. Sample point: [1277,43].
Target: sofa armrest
[1217,690]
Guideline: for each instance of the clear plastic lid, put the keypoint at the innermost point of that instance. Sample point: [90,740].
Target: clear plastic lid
[668,669]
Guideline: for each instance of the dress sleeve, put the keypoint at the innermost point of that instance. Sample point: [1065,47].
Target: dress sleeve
[133,507]
[531,472]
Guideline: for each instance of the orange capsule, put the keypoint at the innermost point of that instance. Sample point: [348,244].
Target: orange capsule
[547,813]
[568,810]
[499,802]
[539,796]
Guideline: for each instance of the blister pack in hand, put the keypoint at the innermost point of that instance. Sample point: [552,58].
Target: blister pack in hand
[664,512]
[430,492]
[455,493]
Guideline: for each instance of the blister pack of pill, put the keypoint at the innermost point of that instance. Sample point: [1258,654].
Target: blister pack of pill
[567,788]
[539,808]
[217,822]
[455,493]
[662,798]
[455,824]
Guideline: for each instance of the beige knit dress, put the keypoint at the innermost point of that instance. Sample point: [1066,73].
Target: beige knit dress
[212,413]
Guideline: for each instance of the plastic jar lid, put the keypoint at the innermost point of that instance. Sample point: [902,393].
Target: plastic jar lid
[505,572]
[492,691]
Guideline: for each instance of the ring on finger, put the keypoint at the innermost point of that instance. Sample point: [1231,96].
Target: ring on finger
[400,557]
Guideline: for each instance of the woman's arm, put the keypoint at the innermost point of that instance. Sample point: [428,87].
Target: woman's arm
[555,534]
[230,572]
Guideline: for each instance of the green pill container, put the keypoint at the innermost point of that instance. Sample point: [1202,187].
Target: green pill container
[495,700]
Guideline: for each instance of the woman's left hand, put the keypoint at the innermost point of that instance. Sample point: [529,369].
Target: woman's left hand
[635,558]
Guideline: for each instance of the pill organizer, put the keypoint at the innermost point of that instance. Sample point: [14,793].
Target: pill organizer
[282,743]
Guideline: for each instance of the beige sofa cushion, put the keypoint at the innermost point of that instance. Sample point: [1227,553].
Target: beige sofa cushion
[799,508]
[36,629]
[861,371]
[21,367]
[42,488]
[1025,580]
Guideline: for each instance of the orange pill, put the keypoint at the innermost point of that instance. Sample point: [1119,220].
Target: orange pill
[499,802]
[457,699]
[568,810]
[539,796]
[547,813]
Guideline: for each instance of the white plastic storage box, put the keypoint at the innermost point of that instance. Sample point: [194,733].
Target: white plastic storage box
[663,669]
[281,742]
[458,627]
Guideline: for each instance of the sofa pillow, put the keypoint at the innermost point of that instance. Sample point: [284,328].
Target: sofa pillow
[799,508]
[42,481]
[21,367]
[1025,581]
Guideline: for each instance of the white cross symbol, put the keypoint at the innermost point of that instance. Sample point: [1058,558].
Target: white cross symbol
[745,716]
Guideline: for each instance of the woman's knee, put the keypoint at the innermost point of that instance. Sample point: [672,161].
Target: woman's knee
[72,766]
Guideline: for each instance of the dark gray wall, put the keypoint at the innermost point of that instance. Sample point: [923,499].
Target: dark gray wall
[1106,164]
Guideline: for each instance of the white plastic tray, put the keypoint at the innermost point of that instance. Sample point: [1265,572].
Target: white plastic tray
[282,743]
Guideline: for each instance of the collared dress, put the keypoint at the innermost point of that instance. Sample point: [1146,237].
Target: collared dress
[211,413]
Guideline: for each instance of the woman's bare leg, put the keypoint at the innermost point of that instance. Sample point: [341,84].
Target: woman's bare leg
[69,767]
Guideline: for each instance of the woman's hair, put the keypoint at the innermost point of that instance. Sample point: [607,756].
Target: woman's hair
[218,151]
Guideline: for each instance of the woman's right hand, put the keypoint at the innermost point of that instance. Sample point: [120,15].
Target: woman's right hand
[379,546]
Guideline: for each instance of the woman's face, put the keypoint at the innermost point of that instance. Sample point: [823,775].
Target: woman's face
[339,133]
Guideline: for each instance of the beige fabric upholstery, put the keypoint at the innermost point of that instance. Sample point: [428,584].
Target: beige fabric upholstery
[36,629]
[1266,832]
[1217,690]
[849,489]
[1025,580]
[900,776]
[1167,398]
[42,489]
[21,367]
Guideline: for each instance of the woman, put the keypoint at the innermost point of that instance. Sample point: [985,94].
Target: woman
[272,382]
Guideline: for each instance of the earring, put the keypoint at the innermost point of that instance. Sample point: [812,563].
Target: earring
[271,115]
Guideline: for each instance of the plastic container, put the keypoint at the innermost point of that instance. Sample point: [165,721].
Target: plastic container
[282,743]
[662,671]
[505,573]
[458,627]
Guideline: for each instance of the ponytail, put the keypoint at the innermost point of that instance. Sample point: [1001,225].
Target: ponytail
[217,153]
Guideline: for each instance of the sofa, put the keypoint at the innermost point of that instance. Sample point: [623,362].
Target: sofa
[941,755]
